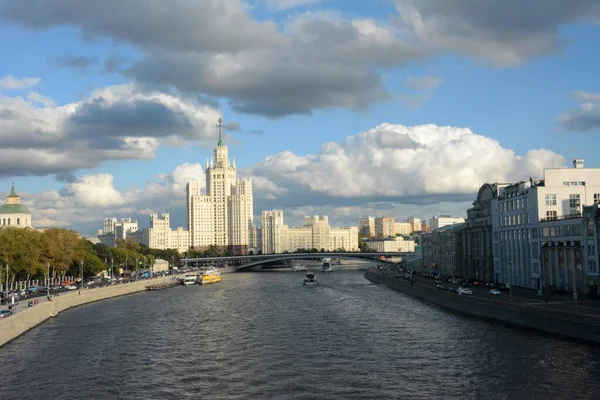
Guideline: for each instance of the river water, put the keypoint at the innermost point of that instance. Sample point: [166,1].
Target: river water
[266,336]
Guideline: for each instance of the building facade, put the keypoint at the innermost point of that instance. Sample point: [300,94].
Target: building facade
[478,244]
[316,233]
[402,228]
[444,220]
[520,208]
[117,230]
[390,245]
[415,224]
[366,226]
[224,215]
[442,250]
[14,214]
[385,227]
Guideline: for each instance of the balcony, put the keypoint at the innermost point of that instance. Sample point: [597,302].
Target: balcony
[561,217]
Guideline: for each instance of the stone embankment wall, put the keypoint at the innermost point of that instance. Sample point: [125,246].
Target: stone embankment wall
[26,318]
[583,327]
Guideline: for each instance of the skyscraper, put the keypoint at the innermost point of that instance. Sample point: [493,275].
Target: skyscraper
[224,215]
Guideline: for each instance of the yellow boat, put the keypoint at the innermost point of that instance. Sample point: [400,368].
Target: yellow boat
[211,275]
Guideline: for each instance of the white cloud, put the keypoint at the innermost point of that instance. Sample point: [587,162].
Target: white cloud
[425,83]
[113,123]
[9,82]
[287,4]
[584,118]
[388,170]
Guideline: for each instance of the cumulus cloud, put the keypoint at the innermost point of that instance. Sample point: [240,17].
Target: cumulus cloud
[114,123]
[584,118]
[9,82]
[425,83]
[388,170]
[288,4]
[419,164]
[493,31]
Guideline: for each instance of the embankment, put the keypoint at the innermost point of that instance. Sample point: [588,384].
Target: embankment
[570,325]
[27,318]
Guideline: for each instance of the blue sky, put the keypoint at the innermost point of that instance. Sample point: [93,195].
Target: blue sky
[490,84]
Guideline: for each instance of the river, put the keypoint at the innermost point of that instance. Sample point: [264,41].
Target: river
[264,335]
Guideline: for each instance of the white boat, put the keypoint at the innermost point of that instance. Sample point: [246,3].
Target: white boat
[309,279]
[298,267]
[326,265]
[188,280]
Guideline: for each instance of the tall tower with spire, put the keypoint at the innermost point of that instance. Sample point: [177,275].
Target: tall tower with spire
[228,199]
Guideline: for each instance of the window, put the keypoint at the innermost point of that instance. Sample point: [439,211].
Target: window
[574,201]
[550,215]
[596,197]
[550,199]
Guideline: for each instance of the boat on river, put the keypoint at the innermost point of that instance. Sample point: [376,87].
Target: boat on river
[189,279]
[309,279]
[327,265]
[210,275]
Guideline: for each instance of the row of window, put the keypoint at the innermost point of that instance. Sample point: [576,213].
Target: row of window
[512,220]
[574,199]
[6,221]
[516,204]
[562,230]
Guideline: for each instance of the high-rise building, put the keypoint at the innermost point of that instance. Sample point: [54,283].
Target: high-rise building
[385,227]
[415,224]
[114,230]
[224,215]
[366,226]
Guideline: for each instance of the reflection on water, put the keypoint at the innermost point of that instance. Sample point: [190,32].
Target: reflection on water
[265,335]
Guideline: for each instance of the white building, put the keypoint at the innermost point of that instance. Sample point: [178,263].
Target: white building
[114,230]
[158,236]
[224,215]
[415,224]
[314,234]
[391,245]
[444,220]
[13,213]
[520,207]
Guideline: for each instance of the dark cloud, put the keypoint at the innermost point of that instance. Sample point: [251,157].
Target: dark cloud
[114,63]
[66,177]
[584,118]
[71,61]
[506,33]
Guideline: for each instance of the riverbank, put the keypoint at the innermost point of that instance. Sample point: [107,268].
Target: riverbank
[26,318]
[583,326]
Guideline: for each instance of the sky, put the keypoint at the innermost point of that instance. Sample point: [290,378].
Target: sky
[342,108]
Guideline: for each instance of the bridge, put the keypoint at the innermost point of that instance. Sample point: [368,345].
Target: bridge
[245,262]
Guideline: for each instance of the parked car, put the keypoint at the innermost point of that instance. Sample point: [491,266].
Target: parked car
[464,291]
[5,313]
[494,292]
[454,290]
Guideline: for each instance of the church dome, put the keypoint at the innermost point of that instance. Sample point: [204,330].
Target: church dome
[13,209]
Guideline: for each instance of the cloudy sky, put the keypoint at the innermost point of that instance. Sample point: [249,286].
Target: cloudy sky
[339,107]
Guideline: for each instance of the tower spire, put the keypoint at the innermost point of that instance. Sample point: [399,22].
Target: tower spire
[12,191]
[220,144]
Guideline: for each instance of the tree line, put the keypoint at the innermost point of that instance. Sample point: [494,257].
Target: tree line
[27,253]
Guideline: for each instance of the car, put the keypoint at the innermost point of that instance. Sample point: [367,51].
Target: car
[465,291]
[454,290]
[494,292]
[5,313]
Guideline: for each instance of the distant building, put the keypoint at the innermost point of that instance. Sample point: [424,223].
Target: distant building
[366,226]
[114,230]
[14,214]
[314,234]
[224,215]
[478,244]
[385,227]
[444,220]
[390,245]
[425,227]
[415,224]
[403,228]
[442,250]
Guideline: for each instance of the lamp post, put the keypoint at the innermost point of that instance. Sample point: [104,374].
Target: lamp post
[112,271]
[6,285]
[81,287]
[48,280]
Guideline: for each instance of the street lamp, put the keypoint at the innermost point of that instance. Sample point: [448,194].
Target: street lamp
[112,272]
[48,280]
[6,285]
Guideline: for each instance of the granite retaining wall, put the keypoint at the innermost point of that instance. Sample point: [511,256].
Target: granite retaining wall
[570,325]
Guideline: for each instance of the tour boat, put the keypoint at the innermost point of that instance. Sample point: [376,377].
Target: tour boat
[211,275]
[327,265]
[298,267]
[309,279]
[188,280]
